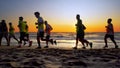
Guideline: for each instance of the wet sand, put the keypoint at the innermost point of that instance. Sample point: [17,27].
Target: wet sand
[58,58]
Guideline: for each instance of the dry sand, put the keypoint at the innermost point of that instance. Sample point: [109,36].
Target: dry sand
[58,58]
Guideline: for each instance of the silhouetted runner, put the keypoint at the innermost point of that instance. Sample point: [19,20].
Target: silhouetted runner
[4,32]
[109,33]
[26,38]
[12,33]
[48,29]
[80,33]
[40,26]
[22,28]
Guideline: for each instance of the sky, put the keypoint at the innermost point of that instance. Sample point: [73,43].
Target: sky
[61,14]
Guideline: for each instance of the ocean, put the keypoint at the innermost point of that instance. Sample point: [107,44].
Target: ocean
[67,40]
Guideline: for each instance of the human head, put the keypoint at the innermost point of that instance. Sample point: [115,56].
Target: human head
[77,16]
[109,20]
[3,21]
[46,22]
[10,23]
[37,14]
[21,18]
[25,22]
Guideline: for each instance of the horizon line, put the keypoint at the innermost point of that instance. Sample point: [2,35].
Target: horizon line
[75,32]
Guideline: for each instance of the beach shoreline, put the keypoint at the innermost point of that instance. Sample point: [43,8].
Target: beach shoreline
[59,58]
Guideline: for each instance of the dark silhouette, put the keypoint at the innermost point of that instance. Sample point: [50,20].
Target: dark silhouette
[80,33]
[11,32]
[27,36]
[48,29]
[40,33]
[40,26]
[22,26]
[109,33]
[4,32]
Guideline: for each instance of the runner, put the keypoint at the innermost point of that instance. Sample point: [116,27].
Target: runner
[12,33]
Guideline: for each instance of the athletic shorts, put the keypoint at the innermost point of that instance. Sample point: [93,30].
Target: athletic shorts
[40,34]
[27,35]
[48,37]
[109,36]
[5,34]
[22,35]
[80,36]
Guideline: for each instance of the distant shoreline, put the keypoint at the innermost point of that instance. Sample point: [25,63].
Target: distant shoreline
[73,32]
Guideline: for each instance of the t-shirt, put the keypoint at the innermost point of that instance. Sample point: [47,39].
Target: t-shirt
[80,27]
[26,29]
[4,27]
[109,29]
[40,24]
[48,29]
[11,30]
[22,26]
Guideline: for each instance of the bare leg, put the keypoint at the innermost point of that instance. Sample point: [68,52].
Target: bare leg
[46,43]
[85,41]
[9,38]
[28,40]
[105,39]
[38,41]
[6,37]
[112,38]
[76,43]
[0,40]
[113,41]
[82,41]
[15,38]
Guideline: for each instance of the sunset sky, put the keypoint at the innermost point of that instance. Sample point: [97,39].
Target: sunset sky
[61,14]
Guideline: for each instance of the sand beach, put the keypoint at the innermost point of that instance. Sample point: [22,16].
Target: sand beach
[30,57]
